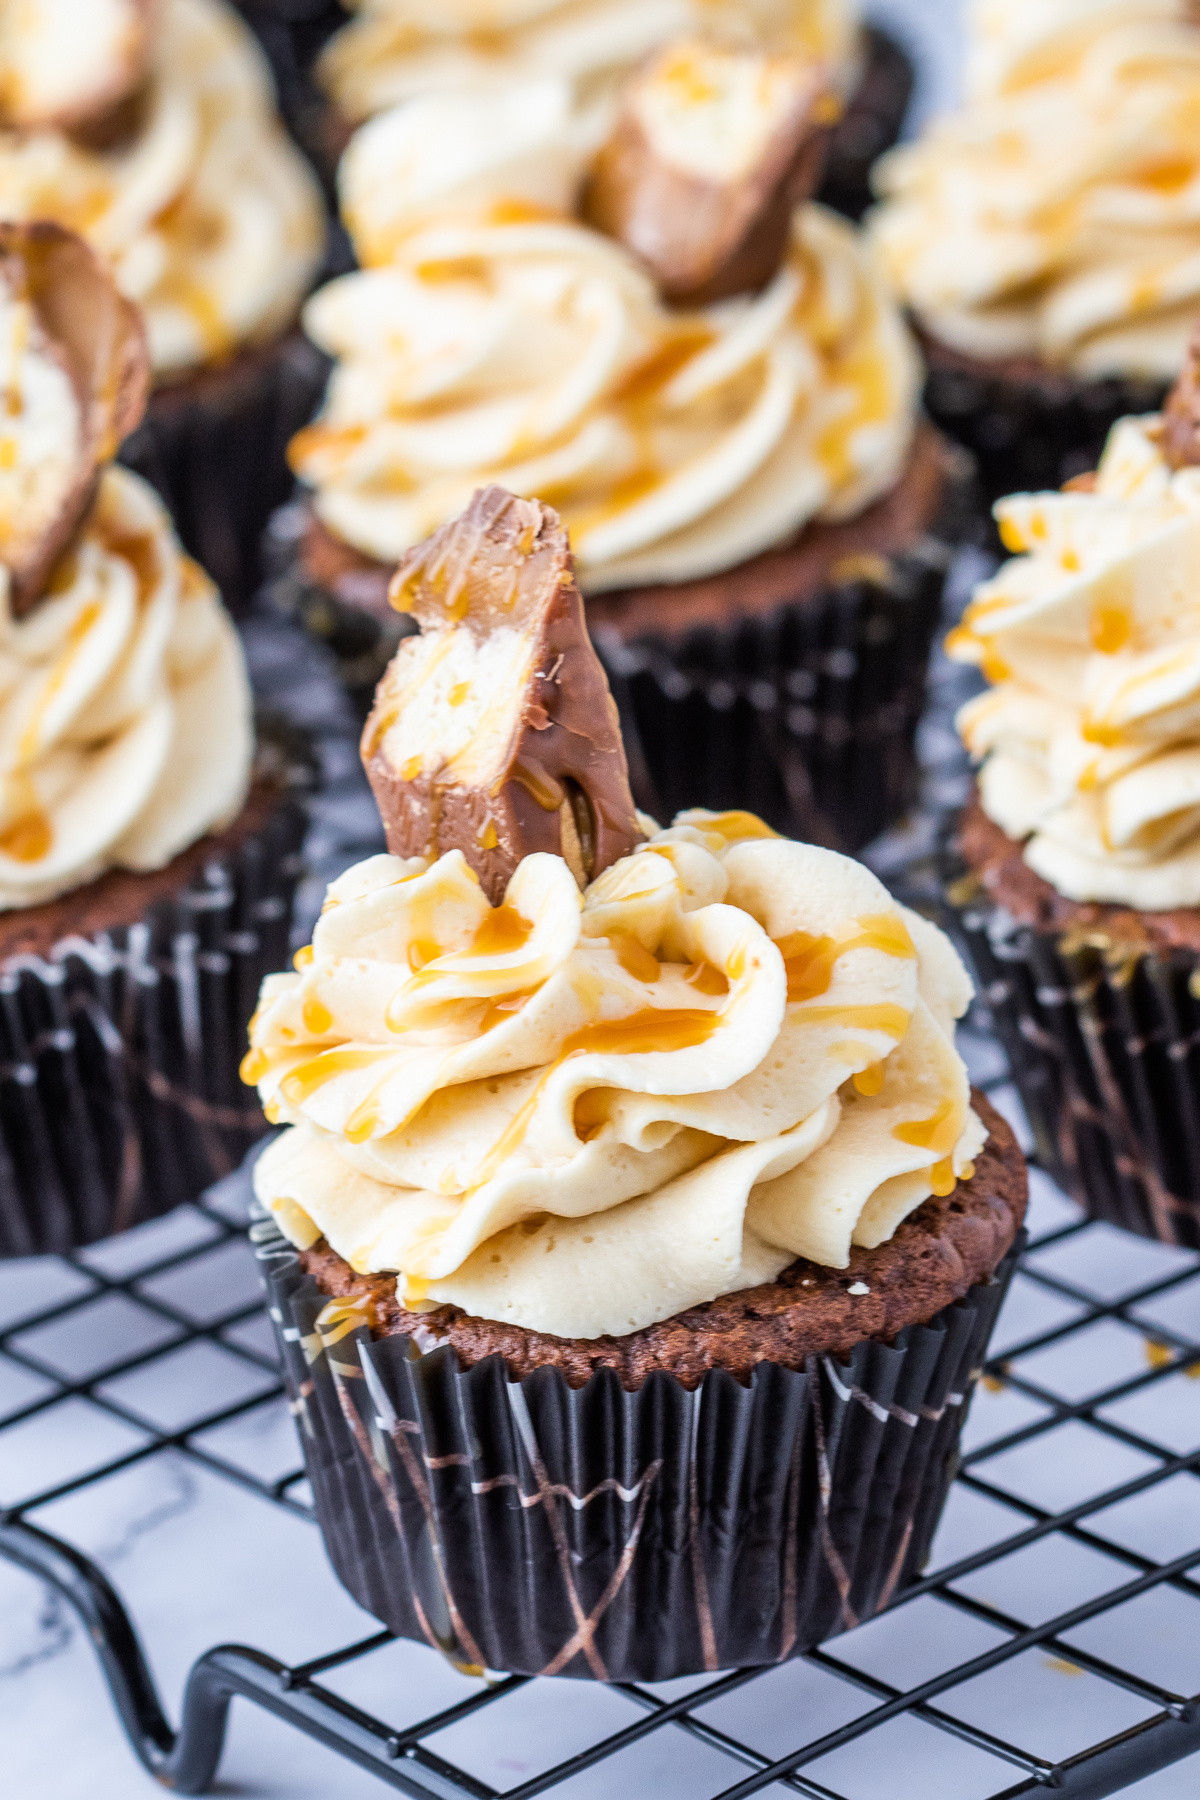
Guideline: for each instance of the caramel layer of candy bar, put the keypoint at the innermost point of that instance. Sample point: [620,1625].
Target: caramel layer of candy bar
[494,731]
[712,152]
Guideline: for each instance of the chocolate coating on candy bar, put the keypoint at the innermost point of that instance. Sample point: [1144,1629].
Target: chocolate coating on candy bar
[703,234]
[93,94]
[89,330]
[1181,415]
[494,732]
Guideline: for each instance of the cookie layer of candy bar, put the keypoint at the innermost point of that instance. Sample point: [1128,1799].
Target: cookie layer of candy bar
[713,150]
[494,731]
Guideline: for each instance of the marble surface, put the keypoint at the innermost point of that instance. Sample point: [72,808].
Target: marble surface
[201,1559]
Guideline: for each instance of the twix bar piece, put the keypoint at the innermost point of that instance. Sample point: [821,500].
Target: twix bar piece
[712,151]
[74,379]
[494,731]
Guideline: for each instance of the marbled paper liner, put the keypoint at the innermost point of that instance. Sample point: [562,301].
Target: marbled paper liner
[807,716]
[870,124]
[539,1529]
[1104,1046]
[215,449]
[1030,436]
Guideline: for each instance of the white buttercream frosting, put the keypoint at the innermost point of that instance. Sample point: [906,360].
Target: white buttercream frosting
[125,712]
[496,341]
[209,217]
[1090,738]
[585,1113]
[395,49]
[1058,213]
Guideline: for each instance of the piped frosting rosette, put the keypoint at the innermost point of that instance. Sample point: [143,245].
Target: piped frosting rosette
[206,213]
[397,49]
[584,1113]
[1090,736]
[494,343]
[1058,214]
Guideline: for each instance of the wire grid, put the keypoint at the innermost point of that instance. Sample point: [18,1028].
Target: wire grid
[1054,1643]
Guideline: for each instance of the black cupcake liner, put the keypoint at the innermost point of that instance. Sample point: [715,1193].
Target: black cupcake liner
[119,1052]
[539,1529]
[1029,436]
[215,449]
[870,125]
[806,717]
[1104,1046]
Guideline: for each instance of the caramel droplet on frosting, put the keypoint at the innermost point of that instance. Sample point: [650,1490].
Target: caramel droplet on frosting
[712,151]
[494,731]
[63,312]
[1181,415]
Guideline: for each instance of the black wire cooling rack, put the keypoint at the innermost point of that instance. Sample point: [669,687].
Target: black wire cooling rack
[1054,1646]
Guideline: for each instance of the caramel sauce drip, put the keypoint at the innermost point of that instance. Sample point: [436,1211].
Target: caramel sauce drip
[317,1016]
[504,930]
[654,1028]
[30,836]
[301,1083]
[706,978]
[733,825]
[633,956]
[30,740]
[893,1020]
[1109,629]
[254,1066]
[869,1081]
[303,957]
[809,960]
[422,951]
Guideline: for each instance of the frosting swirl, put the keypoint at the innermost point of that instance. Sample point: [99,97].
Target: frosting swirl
[398,48]
[108,693]
[1058,214]
[208,216]
[1090,737]
[494,343]
[583,1114]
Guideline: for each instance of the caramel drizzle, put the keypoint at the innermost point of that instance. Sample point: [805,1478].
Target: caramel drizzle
[810,960]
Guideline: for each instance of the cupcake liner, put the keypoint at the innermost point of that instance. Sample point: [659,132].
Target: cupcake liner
[807,716]
[1104,1045]
[119,1089]
[215,449]
[870,124]
[1029,436]
[592,1532]
[292,33]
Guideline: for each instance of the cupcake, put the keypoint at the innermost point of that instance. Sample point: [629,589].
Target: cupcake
[1047,237]
[396,50]
[146,863]
[633,1174]
[715,389]
[158,142]
[1079,881]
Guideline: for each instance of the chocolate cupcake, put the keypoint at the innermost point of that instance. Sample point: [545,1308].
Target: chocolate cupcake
[396,50]
[706,372]
[1047,236]
[1077,878]
[643,1233]
[156,138]
[147,859]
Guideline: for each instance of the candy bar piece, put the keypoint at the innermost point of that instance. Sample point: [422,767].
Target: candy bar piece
[1181,415]
[74,67]
[713,150]
[494,731]
[74,378]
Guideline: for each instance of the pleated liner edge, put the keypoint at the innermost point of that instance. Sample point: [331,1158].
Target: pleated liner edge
[539,1529]
[119,1053]
[1105,1052]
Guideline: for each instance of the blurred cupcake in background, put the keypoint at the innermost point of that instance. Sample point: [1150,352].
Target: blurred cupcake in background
[395,50]
[716,391]
[149,127]
[1046,238]
[146,861]
[1078,883]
